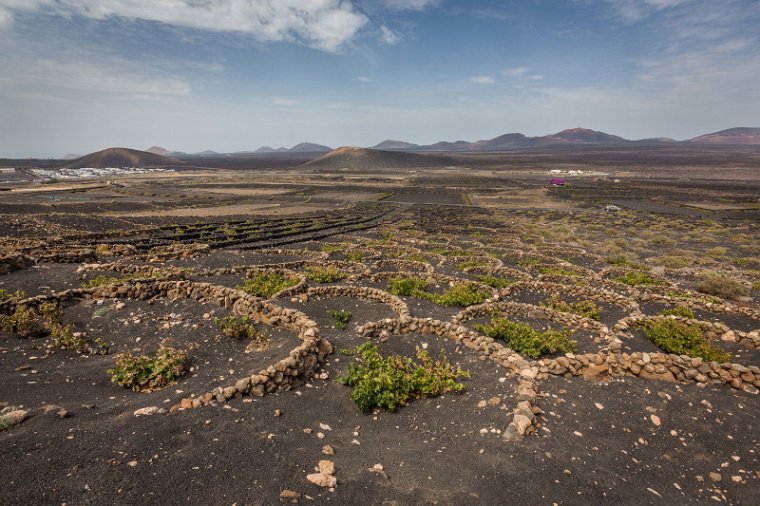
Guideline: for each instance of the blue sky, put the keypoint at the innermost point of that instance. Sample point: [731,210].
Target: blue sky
[230,75]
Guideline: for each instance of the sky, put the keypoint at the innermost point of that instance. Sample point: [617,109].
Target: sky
[78,76]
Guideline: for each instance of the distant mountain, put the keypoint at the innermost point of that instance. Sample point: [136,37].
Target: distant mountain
[742,135]
[513,141]
[158,150]
[584,136]
[373,159]
[121,157]
[264,149]
[308,147]
[392,145]
[71,156]
[208,152]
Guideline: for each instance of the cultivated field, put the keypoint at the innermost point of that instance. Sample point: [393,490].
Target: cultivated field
[381,337]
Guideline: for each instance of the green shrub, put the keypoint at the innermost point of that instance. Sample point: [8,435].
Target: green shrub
[63,337]
[674,261]
[678,311]
[720,285]
[102,280]
[493,281]
[585,308]
[148,373]
[558,271]
[354,256]
[471,264]
[240,327]
[638,278]
[619,259]
[14,296]
[328,274]
[673,336]
[524,339]
[24,322]
[266,284]
[389,382]
[461,295]
[341,317]
[756,285]
[407,287]
[717,252]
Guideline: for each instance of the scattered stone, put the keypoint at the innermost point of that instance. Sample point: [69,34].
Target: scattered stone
[150,411]
[290,495]
[716,477]
[12,416]
[61,412]
[328,450]
[655,420]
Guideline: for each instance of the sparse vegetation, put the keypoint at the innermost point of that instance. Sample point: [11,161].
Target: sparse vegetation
[673,336]
[524,339]
[493,281]
[721,285]
[682,311]
[144,373]
[14,296]
[24,322]
[585,308]
[341,317]
[328,274]
[389,382]
[266,284]
[638,278]
[240,327]
[460,295]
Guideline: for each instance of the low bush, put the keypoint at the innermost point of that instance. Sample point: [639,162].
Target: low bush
[674,261]
[619,259]
[389,382]
[328,274]
[407,287]
[14,296]
[354,256]
[62,336]
[145,373]
[102,280]
[266,284]
[551,270]
[493,281]
[673,336]
[459,295]
[585,308]
[341,317]
[638,278]
[471,264]
[239,327]
[24,322]
[683,311]
[720,285]
[524,339]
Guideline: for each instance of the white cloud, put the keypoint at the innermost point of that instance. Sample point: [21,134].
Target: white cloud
[516,72]
[321,24]
[364,79]
[409,5]
[6,18]
[285,102]
[636,10]
[388,36]
[482,80]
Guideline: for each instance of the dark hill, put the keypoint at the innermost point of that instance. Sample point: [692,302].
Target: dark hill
[742,135]
[372,159]
[121,157]
[308,147]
